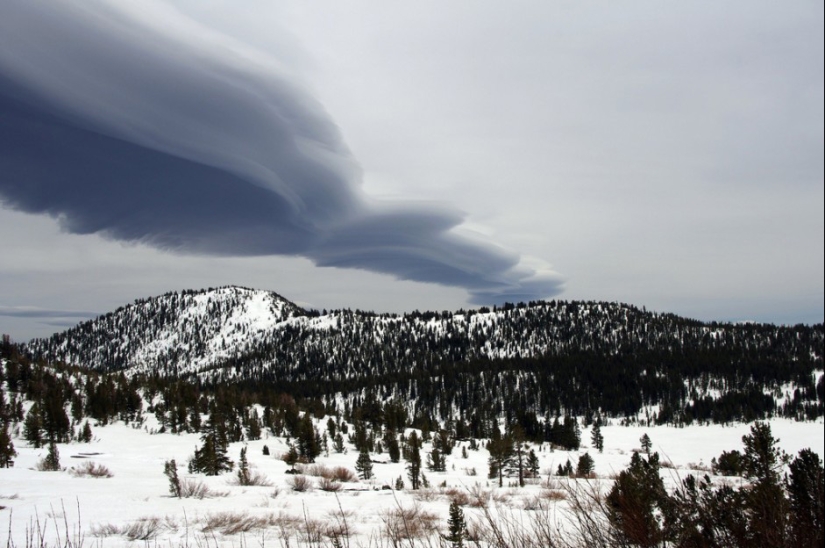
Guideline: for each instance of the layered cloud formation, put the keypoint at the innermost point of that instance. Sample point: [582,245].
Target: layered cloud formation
[139,124]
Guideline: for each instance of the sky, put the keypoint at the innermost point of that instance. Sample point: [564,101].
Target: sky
[403,156]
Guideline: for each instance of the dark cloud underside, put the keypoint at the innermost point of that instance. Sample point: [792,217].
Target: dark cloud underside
[116,127]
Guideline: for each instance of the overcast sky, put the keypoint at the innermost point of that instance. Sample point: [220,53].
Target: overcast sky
[420,155]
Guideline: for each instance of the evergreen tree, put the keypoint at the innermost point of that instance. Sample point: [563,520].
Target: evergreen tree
[436,461]
[52,461]
[170,470]
[211,459]
[646,443]
[585,466]
[291,458]
[414,461]
[457,526]
[806,490]
[309,442]
[364,465]
[86,433]
[501,454]
[636,503]
[338,443]
[393,448]
[565,470]
[33,426]
[7,452]
[596,437]
[533,464]
[243,469]
[253,431]
[765,501]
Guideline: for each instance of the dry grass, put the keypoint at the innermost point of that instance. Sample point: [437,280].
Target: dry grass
[232,523]
[145,529]
[91,469]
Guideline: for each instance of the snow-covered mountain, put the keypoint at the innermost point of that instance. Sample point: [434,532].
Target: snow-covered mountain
[240,328]
[540,356]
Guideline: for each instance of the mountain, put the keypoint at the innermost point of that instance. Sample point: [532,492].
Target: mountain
[549,356]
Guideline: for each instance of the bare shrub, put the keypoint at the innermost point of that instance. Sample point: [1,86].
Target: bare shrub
[344,475]
[511,529]
[459,496]
[479,497]
[253,478]
[91,469]
[300,483]
[426,495]
[197,489]
[587,512]
[311,531]
[502,497]
[404,523]
[553,494]
[329,485]
[315,470]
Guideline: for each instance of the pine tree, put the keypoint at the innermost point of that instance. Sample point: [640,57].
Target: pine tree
[243,469]
[646,443]
[7,452]
[414,461]
[253,431]
[807,500]
[391,441]
[596,436]
[33,427]
[533,464]
[211,459]
[457,526]
[585,466]
[436,461]
[364,465]
[52,461]
[501,454]
[637,501]
[170,469]
[291,458]
[86,433]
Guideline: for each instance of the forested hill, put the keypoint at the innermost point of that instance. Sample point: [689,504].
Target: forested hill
[548,356]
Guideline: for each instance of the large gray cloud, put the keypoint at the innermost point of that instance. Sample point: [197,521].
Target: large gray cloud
[155,130]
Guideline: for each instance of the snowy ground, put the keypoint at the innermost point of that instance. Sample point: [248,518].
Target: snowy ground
[100,510]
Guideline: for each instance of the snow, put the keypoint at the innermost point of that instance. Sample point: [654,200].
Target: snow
[61,502]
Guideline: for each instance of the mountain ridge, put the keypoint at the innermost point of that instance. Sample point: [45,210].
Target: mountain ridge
[538,357]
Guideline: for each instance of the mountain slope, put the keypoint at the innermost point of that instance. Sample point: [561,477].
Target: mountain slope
[544,356]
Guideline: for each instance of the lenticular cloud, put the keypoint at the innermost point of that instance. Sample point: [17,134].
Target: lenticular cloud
[180,138]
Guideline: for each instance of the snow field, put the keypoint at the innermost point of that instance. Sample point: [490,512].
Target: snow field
[138,493]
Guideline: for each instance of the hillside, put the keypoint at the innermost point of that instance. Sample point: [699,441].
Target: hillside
[542,357]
